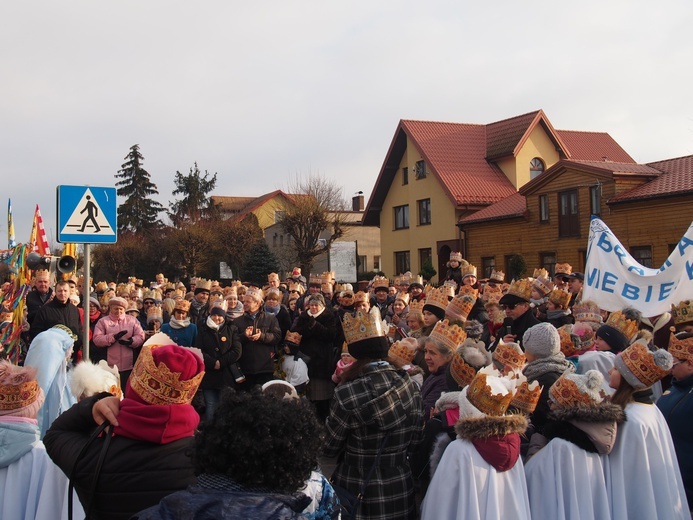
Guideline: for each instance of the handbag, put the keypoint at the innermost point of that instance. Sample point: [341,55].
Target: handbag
[348,501]
[95,479]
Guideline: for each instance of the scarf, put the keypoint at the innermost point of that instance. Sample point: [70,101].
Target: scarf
[552,315]
[159,424]
[179,324]
[538,367]
[272,310]
[317,313]
[210,323]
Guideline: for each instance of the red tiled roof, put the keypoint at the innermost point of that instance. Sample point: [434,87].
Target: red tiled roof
[513,206]
[676,179]
[620,168]
[457,154]
[232,203]
[502,136]
[593,146]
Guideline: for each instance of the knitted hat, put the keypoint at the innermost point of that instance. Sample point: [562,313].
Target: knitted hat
[217,310]
[319,298]
[20,393]
[117,300]
[88,379]
[613,337]
[474,329]
[542,341]
[642,368]
[94,302]
[571,390]
[165,375]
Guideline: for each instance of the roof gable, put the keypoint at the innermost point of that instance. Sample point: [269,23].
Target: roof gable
[505,138]
[593,146]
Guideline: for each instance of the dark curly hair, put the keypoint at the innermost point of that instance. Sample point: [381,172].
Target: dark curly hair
[260,441]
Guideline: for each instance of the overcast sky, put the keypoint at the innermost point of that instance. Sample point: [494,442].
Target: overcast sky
[262,91]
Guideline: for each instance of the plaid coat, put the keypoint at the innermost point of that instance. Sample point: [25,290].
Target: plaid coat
[363,410]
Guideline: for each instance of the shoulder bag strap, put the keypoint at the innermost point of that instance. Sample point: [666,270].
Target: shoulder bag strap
[73,473]
[376,463]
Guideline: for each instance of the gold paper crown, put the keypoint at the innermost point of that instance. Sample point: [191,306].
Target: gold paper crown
[203,284]
[625,326]
[460,370]
[14,397]
[416,306]
[510,355]
[362,326]
[560,298]
[521,288]
[178,294]
[568,395]
[568,345]
[527,395]
[587,310]
[450,287]
[157,384]
[403,296]
[468,290]
[641,363]
[132,307]
[683,312]
[380,281]
[361,297]
[255,292]
[456,256]
[492,294]
[540,273]
[182,305]
[139,282]
[160,275]
[155,312]
[450,335]
[680,348]
[315,279]
[468,270]
[328,276]
[460,306]
[272,276]
[293,337]
[406,278]
[438,297]
[397,281]
[326,288]
[480,394]
[169,286]
[402,352]
[42,273]
[123,290]
[296,286]
[132,279]
[497,276]
[542,284]
[151,294]
[563,269]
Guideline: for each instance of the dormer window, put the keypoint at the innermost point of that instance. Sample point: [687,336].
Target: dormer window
[536,167]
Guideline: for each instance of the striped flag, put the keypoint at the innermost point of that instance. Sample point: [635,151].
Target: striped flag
[11,242]
[38,240]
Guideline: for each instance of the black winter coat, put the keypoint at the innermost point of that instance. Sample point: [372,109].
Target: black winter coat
[55,313]
[223,345]
[135,474]
[258,356]
[317,342]
[34,302]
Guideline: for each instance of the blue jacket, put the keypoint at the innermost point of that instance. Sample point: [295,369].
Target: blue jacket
[676,404]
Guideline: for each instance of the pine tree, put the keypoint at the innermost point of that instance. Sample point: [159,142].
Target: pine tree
[259,262]
[139,212]
[196,204]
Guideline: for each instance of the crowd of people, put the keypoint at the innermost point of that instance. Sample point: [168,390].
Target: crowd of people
[473,399]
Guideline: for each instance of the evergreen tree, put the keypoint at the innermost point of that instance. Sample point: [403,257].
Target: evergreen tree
[196,204]
[139,212]
[259,262]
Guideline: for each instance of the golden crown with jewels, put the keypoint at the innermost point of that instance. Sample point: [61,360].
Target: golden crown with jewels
[450,335]
[362,326]
[527,395]
[625,326]
[437,296]
[683,312]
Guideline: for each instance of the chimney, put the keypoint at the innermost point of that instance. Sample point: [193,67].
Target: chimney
[357,203]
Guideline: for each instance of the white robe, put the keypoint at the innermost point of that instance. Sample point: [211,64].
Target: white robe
[642,472]
[600,361]
[566,482]
[465,486]
[34,488]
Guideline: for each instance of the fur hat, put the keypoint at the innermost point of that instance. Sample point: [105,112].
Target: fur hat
[542,340]
[89,379]
[20,393]
[165,375]
[642,368]
[117,300]
[474,329]
[571,390]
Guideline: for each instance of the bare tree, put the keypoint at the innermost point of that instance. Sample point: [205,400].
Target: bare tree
[316,206]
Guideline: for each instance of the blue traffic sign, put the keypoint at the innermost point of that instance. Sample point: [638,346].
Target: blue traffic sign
[87,215]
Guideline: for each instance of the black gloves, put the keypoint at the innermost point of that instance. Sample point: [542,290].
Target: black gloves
[120,334]
[125,341]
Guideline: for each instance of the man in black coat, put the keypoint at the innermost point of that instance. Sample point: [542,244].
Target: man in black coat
[58,311]
[39,295]
[516,306]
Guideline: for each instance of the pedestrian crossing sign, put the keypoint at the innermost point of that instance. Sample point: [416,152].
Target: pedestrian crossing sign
[87,215]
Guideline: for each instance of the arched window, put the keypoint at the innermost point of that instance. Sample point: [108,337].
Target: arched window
[536,167]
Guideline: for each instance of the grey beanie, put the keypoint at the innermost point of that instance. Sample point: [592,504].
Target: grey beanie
[542,341]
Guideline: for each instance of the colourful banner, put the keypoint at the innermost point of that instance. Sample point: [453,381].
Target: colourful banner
[614,279]
[38,241]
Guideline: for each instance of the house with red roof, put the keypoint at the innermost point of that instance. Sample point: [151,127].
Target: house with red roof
[519,187]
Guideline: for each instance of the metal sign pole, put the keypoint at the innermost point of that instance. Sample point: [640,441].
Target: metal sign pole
[85,300]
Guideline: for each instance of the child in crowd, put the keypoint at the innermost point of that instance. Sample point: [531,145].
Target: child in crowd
[342,365]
